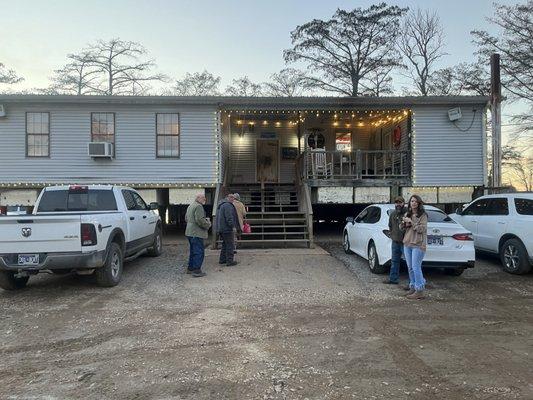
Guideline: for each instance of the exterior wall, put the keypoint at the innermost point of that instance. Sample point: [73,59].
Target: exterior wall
[442,154]
[243,150]
[135,153]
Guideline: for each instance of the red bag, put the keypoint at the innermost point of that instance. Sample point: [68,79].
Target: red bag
[246,228]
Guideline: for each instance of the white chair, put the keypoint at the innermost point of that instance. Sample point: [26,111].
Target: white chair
[320,164]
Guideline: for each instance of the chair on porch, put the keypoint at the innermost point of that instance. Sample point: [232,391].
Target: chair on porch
[321,166]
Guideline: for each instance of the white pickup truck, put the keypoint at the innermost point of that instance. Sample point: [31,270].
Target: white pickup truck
[78,228]
[502,224]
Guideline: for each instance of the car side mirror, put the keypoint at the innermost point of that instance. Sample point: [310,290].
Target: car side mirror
[459,211]
[349,219]
[153,206]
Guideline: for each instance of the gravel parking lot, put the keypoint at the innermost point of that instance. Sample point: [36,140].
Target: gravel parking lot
[283,324]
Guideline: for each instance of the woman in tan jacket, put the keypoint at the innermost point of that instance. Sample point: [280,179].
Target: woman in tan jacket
[415,224]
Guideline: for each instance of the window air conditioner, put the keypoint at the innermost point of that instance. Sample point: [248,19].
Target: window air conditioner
[100,149]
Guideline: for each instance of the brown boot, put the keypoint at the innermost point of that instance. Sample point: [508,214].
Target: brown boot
[410,292]
[406,288]
[416,295]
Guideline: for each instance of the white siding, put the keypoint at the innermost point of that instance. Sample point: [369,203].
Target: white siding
[442,154]
[135,139]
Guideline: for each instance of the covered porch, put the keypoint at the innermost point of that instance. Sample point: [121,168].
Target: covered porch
[327,146]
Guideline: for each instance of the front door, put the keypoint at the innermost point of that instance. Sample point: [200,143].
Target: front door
[267,160]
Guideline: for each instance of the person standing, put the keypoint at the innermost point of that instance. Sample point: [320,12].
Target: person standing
[396,235]
[415,223]
[227,225]
[241,214]
[196,231]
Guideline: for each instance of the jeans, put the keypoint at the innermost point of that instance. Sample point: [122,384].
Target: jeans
[228,247]
[414,257]
[396,258]
[196,253]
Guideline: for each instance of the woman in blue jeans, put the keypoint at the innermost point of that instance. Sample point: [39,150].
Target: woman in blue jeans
[415,223]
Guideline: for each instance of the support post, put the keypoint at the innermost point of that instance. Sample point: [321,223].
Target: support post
[496,108]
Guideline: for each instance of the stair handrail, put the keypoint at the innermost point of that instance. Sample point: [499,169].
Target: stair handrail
[304,193]
[219,193]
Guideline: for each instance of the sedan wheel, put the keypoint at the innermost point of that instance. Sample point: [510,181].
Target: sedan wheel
[346,244]
[373,260]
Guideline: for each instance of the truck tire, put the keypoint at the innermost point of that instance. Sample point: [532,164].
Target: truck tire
[110,273]
[8,281]
[514,259]
[157,246]
[454,271]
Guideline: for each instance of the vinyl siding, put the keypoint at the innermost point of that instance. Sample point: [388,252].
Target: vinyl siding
[135,140]
[442,154]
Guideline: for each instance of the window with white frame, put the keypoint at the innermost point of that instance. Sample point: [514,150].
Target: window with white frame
[168,135]
[38,134]
[103,127]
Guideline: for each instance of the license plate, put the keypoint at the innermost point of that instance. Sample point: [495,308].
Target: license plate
[28,259]
[437,240]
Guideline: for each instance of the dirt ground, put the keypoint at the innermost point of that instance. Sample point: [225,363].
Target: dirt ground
[283,324]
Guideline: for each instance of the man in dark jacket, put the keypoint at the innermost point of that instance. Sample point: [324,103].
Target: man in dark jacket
[396,234]
[227,225]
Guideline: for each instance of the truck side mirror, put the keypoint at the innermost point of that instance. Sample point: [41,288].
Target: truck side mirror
[153,206]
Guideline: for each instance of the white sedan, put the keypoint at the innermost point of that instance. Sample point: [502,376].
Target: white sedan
[450,246]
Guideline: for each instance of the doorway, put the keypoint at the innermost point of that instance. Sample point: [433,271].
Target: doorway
[267,160]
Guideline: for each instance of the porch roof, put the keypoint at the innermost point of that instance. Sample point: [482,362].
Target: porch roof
[236,102]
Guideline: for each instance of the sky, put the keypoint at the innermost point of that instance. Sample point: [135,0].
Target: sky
[229,38]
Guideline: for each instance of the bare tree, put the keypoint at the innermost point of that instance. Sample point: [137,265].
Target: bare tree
[197,84]
[421,43]
[342,52]
[517,168]
[461,79]
[78,77]
[244,87]
[124,72]
[514,43]
[289,82]
[379,83]
[8,76]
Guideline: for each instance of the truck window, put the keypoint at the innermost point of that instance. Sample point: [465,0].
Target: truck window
[91,200]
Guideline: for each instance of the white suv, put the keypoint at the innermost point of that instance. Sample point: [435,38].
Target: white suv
[502,224]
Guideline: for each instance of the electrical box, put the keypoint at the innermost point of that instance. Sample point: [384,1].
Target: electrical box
[2,111]
[454,114]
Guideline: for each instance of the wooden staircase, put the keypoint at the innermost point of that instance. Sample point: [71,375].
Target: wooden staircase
[275,216]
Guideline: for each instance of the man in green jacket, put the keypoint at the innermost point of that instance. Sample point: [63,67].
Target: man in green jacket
[197,230]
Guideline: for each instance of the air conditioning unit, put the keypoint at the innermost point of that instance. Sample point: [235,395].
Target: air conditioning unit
[2,111]
[100,149]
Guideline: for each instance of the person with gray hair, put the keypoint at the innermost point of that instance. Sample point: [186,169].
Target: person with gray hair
[197,230]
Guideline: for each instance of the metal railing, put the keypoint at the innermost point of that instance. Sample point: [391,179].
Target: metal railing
[356,164]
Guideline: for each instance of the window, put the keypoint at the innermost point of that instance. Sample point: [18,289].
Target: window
[64,200]
[499,207]
[37,134]
[343,141]
[480,207]
[524,206]
[373,215]
[438,216]
[134,201]
[103,127]
[167,128]
[139,202]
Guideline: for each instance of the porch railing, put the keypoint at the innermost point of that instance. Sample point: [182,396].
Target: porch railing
[354,165]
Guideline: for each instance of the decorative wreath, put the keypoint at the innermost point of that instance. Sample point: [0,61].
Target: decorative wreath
[397,136]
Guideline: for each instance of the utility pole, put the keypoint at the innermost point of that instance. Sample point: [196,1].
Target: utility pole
[496,111]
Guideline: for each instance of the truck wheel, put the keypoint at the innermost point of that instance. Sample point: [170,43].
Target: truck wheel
[454,271]
[513,255]
[8,281]
[110,273]
[157,246]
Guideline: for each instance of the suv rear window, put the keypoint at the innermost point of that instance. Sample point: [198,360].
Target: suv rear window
[64,200]
[524,206]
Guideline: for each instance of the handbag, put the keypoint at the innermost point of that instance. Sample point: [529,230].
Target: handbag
[246,228]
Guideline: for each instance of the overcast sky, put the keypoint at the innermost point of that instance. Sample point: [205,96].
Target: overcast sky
[229,38]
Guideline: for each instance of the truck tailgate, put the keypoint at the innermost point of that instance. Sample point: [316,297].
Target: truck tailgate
[40,234]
